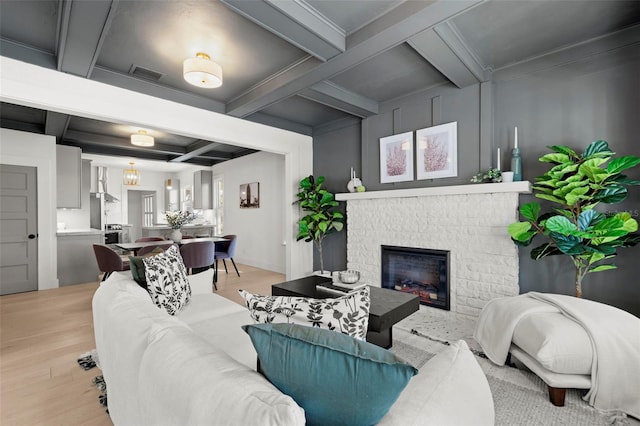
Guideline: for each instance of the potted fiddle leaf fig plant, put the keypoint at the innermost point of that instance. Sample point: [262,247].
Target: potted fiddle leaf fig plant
[321,218]
[575,185]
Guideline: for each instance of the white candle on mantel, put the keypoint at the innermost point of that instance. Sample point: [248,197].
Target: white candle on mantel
[498,160]
[516,138]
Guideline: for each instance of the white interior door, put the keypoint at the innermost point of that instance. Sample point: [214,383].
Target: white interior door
[18,229]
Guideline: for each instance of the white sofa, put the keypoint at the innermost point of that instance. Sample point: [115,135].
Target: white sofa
[198,367]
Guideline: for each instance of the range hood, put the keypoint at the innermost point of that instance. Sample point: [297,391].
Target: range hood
[102,185]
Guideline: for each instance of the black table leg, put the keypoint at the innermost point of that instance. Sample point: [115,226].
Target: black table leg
[383,338]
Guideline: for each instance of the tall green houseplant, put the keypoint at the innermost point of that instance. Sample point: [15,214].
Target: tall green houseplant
[321,218]
[575,185]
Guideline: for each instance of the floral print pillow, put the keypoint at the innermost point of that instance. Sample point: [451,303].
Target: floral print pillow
[167,281]
[347,314]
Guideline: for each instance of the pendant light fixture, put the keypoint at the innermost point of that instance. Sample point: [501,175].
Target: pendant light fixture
[131,176]
[201,71]
[169,184]
[142,139]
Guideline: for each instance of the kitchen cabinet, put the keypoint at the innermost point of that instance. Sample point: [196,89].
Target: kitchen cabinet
[68,176]
[190,229]
[76,261]
[203,189]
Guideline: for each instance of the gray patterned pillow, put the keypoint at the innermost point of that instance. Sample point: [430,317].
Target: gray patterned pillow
[167,281]
[347,314]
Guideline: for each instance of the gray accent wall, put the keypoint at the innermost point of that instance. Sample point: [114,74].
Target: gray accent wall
[575,105]
[597,97]
[335,151]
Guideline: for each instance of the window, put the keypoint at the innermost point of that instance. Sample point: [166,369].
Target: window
[148,201]
[218,203]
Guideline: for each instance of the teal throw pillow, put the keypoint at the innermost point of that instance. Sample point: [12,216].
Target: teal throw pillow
[337,379]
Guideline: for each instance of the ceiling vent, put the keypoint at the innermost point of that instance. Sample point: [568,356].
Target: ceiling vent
[144,73]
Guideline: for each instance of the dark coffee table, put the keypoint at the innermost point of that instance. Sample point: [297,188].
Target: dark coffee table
[387,306]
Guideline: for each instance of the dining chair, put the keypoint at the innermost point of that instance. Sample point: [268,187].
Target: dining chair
[108,260]
[199,255]
[226,250]
[150,248]
[145,239]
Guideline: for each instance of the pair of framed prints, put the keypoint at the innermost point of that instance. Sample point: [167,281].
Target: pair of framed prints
[436,154]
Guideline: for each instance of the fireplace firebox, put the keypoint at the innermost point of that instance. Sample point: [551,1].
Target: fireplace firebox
[424,272]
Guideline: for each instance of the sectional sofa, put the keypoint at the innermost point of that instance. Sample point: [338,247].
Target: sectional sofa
[199,367]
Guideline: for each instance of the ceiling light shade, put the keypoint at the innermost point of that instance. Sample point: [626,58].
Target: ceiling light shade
[131,176]
[201,71]
[142,139]
[169,184]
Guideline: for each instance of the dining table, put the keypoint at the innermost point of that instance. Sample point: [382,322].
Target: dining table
[136,246]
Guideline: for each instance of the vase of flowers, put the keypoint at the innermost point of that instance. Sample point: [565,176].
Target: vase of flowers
[176,221]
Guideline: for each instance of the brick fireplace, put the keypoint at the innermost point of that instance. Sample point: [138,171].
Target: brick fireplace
[468,221]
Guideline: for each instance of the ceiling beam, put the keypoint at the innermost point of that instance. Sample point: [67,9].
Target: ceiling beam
[334,96]
[82,29]
[89,148]
[297,22]
[438,52]
[264,89]
[125,144]
[388,31]
[150,88]
[144,155]
[201,147]
[7,123]
[452,38]
[55,124]
[281,123]
[27,54]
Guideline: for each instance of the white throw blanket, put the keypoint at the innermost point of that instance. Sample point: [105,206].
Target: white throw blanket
[614,333]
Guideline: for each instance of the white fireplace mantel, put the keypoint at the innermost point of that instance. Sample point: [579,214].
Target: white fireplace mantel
[469,221]
[523,187]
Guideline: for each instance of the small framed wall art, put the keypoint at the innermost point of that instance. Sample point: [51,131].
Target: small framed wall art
[396,158]
[250,195]
[437,151]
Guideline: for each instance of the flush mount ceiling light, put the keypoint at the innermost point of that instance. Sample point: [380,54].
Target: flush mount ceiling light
[131,176]
[142,139]
[201,71]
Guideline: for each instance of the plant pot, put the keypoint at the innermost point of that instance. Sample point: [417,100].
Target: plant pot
[175,235]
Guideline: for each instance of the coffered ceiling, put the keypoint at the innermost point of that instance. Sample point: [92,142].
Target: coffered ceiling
[301,65]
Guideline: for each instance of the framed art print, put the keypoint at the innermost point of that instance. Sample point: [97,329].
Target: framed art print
[437,151]
[396,158]
[250,195]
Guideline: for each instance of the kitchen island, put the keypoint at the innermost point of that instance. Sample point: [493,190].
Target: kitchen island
[162,230]
[76,261]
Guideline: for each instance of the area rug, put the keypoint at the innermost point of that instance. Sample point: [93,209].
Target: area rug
[520,397]
[87,361]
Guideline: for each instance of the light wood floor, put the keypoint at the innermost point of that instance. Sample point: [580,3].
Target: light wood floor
[43,332]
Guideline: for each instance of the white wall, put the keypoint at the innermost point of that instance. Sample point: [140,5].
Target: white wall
[260,230]
[29,149]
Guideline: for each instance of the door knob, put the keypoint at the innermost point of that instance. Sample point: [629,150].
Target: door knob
[32,236]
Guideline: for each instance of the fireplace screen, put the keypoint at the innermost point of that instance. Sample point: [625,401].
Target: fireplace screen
[423,272]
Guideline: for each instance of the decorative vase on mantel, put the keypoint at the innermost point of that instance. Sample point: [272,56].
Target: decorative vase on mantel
[176,235]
